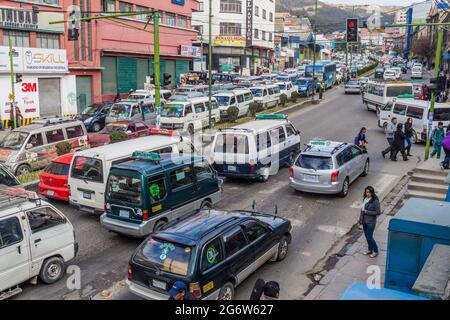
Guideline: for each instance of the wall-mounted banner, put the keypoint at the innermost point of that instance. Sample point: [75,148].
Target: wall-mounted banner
[190,51]
[27,19]
[249,22]
[230,41]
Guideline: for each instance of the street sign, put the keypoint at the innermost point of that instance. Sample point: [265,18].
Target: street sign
[10,97]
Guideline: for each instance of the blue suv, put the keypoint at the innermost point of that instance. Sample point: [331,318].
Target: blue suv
[94,116]
[211,251]
[305,86]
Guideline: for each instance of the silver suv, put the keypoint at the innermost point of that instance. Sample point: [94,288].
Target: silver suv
[328,167]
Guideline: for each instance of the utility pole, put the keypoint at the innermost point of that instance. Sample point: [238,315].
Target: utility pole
[314,51]
[210,64]
[13,94]
[156,68]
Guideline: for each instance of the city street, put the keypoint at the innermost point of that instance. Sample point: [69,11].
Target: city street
[318,221]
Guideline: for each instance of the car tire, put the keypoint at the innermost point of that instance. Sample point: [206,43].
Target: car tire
[283,248]
[96,127]
[159,225]
[206,204]
[52,270]
[23,169]
[226,292]
[366,168]
[345,187]
[264,177]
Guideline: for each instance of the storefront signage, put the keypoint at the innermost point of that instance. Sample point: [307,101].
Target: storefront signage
[34,60]
[190,51]
[249,23]
[230,41]
[27,19]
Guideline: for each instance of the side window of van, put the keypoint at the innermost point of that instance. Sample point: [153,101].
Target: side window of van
[232,101]
[263,141]
[400,109]
[35,141]
[187,110]
[157,188]
[199,108]
[290,130]
[136,110]
[181,177]
[212,254]
[203,170]
[248,96]
[265,92]
[10,232]
[281,134]
[234,241]
[271,91]
[43,218]
[74,132]
[240,98]
[54,136]
[414,112]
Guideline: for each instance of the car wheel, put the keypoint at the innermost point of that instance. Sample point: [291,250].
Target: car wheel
[283,248]
[191,129]
[264,174]
[52,270]
[206,204]
[226,292]
[344,190]
[96,127]
[159,225]
[366,169]
[23,169]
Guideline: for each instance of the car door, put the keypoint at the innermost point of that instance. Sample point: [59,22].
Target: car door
[200,115]
[184,191]
[131,131]
[36,152]
[205,178]
[385,113]
[278,153]
[49,234]
[136,113]
[262,242]
[346,165]
[14,252]
[358,160]
[292,138]
[141,129]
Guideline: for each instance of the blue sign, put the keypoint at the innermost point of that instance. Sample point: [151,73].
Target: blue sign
[178,2]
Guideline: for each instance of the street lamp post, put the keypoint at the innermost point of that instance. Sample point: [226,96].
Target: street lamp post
[314,51]
[210,64]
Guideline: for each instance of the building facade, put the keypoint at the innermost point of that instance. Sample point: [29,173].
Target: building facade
[40,56]
[114,56]
[242,33]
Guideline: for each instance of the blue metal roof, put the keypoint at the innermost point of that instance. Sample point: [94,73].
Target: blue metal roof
[360,291]
[424,217]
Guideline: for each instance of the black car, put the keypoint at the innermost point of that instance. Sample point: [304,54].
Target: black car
[94,116]
[211,251]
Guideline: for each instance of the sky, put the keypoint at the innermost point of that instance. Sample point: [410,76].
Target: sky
[378,2]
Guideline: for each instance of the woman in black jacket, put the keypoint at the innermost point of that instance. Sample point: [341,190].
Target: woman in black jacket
[399,144]
[409,132]
[369,212]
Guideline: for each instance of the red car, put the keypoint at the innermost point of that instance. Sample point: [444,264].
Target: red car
[133,128]
[53,180]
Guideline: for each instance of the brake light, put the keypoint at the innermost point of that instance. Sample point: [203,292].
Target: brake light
[291,171]
[130,272]
[145,215]
[194,288]
[334,176]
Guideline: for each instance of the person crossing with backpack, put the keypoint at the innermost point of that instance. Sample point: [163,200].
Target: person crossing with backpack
[437,136]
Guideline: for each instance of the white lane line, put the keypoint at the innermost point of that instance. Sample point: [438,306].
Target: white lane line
[277,187]
[332,229]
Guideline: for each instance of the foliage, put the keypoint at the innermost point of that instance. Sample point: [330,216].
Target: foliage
[63,148]
[283,99]
[295,96]
[253,108]
[423,47]
[29,177]
[118,136]
[368,68]
[232,113]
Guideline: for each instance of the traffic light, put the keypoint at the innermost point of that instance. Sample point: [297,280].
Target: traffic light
[18,77]
[352,30]
[167,79]
[73,33]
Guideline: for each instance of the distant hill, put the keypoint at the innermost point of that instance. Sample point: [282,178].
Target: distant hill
[331,17]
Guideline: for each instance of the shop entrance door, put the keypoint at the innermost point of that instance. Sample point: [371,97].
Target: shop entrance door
[84,92]
[49,97]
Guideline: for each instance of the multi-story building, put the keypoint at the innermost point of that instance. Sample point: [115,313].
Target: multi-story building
[401,17]
[242,32]
[113,56]
[47,88]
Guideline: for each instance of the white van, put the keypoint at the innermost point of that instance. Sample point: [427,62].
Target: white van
[36,240]
[416,72]
[189,115]
[239,98]
[255,150]
[148,96]
[418,111]
[90,168]
[378,92]
[287,88]
[266,96]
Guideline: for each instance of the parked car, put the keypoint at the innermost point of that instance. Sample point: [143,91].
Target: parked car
[305,86]
[353,86]
[266,96]
[133,110]
[54,179]
[94,116]
[148,96]
[328,167]
[212,251]
[287,88]
[7,178]
[133,129]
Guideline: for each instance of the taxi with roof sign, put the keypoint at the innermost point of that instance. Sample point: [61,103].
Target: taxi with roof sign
[151,190]
[328,167]
[256,149]
[211,251]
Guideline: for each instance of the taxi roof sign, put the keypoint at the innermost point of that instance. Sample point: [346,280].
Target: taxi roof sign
[142,155]
[324,143]
[274,116]
[406,96]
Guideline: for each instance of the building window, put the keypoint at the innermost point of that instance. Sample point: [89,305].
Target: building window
[263,35]
[271,16]
[19,38]
[108,5]
[257,11]
[169,19]
[54,2]
[264,14]
[231,6]
[256,34]
[125,7]
[182,22]
[201,7]
[47,40]
[144,16]
[270,36]
[199,29]
[230,29]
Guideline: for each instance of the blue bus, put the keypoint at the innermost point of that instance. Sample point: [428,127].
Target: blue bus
[324,70]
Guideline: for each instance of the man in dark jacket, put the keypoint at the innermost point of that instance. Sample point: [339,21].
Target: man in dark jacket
[399,144]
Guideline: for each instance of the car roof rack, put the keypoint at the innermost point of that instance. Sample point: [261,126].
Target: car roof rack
[49,121]
[14,196]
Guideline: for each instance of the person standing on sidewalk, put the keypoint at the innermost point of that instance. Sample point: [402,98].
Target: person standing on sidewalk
[438,135]
[409,135]
[322,89]
[399,144]
[368,219]
[390,133]
[18,116]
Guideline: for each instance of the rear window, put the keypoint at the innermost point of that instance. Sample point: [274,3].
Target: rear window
[168,256]
[90,169]
[396,91]
[57,169]
[314,162]
[125,188]
[232,143]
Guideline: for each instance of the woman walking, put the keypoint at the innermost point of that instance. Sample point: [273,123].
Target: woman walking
[399,144]
[369,212]
[360,139]
[409,132]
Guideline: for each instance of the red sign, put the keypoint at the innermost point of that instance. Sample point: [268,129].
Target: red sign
[29,87]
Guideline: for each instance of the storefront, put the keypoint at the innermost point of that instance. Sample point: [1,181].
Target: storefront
[46,88]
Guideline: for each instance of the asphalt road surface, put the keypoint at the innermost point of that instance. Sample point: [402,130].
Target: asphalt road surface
[319,221]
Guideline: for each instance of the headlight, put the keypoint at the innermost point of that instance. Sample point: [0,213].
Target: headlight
[12,159]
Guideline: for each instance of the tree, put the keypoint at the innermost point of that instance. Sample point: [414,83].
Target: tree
[422,47]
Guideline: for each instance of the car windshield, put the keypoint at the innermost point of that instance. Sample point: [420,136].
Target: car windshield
[282,86]
[125,188]
[85,168]
[120,110]
[92,109]
[172,111]
[301,82]
[114,128]
[315,162]
[57,168]
[223,100]
[353,83]
[257,92]
[396,91]
[14,140]
[168,256]
[136,97]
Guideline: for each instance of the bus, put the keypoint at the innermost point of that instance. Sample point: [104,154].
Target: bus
[377,93]
[324,70]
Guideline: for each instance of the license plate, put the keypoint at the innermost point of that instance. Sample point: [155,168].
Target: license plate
[310,178]
[87,195]
[231,168]
[50,193]
[159,284]
[124,214]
